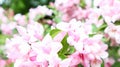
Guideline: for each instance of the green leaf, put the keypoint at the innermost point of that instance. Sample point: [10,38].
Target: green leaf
[38,17]
[82,3]
[102,27]
[56,16]
[102,65]
[0,32]
[57,19]
[94,28]
[91,35]
[116,64]
[106,40]
[2,55]
[62,56]
[15,31]
[117,22]
[92,4]
[54,32]
[112,50]
[3,38]
[64,49]
[100,17]
[47,28]
[80,65]
[70,50]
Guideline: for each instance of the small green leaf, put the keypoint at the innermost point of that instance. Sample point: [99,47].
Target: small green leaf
[3,38]
[116,64]
[92,4]
[117,22]
[91,35]
[57,16]
[2,55]
[94,28]
[80,65]
[82,4]
[0,32]
[57,19]
[64,49]
[70,50]
[62,56]
[54,32]
[47,28]
[102,65]
[38,17]
[106,40]
[65,44]
[15,31]
[100,17]
[102,27]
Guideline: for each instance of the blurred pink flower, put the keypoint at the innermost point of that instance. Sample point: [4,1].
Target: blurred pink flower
[20,19]
[113,32]
[88,49]
[109,62]
[2,63]
[32,33]
[40,10]
[7,28]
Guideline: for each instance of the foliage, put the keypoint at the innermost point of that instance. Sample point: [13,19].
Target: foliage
[23,6]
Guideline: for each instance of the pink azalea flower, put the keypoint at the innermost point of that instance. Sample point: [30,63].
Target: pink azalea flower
[69,9]
[3,17]
[32,33]
[109,62]
[7,28]
[40,10]
[109,10]
[17,49]
[88,50]
[20,19]
[113,32]
[2,63]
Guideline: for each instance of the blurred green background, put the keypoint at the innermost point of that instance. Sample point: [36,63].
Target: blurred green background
[23,6]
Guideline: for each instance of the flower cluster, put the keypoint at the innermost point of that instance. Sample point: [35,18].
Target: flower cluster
[69,33]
